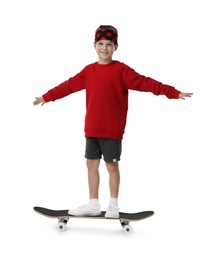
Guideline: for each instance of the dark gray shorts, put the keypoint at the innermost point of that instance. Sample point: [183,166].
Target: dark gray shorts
[109,148]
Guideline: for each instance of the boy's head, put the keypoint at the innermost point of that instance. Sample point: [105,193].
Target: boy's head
[106,32]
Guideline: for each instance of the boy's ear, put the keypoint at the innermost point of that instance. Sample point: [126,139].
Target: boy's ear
[116,47]
[94,45]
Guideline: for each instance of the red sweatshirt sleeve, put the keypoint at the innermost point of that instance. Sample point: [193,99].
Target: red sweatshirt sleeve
[66,88]
[138,82]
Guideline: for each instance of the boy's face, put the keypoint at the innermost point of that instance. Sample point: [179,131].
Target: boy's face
[105,50]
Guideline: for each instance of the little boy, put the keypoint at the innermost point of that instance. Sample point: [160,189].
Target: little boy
[106,83]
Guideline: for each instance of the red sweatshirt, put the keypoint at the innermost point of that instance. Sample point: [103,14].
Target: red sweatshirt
[107,95]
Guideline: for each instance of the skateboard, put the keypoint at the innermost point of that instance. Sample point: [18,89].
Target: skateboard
[63,217]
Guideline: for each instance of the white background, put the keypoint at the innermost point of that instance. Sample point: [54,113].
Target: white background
[163,163]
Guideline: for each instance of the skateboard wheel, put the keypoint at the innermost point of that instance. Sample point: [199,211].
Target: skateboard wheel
[127,229]
[61,226]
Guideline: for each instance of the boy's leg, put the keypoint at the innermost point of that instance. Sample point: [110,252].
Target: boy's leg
[93,207]
[111,149]
[93,177]
[114,178]
[93,155]
[114,181]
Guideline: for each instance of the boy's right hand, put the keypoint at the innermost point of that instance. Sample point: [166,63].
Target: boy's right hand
[39,100]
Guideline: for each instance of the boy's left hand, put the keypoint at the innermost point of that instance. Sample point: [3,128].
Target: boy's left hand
[39,100]
[184,95]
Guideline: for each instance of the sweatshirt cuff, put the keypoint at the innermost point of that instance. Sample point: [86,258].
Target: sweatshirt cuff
[47,97]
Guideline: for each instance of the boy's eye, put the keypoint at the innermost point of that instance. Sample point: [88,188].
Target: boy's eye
[101,44]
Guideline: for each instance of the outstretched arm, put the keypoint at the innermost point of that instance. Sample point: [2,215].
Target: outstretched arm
[184,95]
[39,100]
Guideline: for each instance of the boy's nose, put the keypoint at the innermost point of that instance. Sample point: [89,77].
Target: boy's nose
[104,46]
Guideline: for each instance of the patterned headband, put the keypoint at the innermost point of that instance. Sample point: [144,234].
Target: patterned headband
[105,34]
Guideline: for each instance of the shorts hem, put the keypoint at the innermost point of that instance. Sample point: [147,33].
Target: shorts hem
[92,158]
[112,160]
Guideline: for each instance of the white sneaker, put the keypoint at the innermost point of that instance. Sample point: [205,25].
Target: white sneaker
[112,212]
[86,210]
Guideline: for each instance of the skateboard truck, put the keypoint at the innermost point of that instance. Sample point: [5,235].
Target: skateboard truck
[126,226]
[62,222]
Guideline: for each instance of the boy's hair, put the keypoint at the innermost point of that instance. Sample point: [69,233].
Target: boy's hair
[106,32]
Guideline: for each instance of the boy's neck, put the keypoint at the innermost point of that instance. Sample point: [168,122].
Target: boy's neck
[104,62]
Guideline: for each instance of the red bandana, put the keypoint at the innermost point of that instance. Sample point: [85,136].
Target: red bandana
[105,34]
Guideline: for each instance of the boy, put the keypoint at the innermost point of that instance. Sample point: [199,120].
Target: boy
[106,83]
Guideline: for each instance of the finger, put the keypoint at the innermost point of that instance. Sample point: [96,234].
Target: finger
[188,94]
[36,102]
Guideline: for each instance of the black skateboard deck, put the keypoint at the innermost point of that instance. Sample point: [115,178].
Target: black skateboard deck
[63,217]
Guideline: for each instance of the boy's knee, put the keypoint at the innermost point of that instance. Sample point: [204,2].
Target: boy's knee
[91,164]
[112,166]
